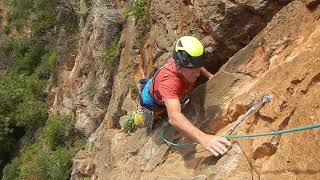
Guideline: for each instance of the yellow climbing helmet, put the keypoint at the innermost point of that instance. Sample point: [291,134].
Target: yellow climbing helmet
[189,52]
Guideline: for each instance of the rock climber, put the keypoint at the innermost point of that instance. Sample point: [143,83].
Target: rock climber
[167,88]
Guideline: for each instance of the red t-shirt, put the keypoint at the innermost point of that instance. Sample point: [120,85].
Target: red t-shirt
[169,84]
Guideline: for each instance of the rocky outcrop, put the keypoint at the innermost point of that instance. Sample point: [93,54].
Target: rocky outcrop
[169,20]
[283,60]
[280,59]
[224,26]
[121,81]
[85,86]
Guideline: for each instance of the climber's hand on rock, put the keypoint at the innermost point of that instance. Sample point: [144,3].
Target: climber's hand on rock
[217,145]
[210,76]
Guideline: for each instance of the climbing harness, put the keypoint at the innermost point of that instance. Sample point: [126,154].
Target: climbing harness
[152,94]
[144,115]
[148,99]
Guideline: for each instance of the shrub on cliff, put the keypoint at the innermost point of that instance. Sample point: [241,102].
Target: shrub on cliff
[57,131]
[20,106]
[110,54]
[11,171]
[50,157]
[40,162]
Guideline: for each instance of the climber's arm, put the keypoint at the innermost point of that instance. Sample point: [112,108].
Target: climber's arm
[206,73]
[215,144]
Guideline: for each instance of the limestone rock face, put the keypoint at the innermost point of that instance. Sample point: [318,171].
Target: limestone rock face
[84,164]
[224,26]
[283,61]
[123,79]
[271,47]
[84,85]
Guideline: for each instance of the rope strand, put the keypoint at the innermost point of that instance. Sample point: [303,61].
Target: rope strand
[273,133]
[244,135]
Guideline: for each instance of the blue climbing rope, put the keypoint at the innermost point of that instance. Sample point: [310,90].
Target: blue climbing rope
[273,133]
[244,135]
[169,143]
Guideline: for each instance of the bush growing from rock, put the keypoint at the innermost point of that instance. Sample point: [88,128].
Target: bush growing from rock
[110,54]
[57,131]
[11,171]
[127,123]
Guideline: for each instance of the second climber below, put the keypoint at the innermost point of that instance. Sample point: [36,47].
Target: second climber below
[169,85]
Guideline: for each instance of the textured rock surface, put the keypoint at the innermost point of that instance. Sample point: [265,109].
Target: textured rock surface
[224,26]
[85,87]
[123,78]
[281,59]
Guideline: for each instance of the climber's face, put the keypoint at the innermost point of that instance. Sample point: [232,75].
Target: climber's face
[191,75]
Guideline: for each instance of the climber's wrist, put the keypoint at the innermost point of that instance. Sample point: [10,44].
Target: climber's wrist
[201,138]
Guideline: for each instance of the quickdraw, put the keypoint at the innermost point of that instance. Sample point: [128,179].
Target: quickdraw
[263,100]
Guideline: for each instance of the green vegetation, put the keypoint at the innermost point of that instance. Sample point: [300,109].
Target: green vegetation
[11,171]
[13,48]
[50,157]
[21,106]
[45,163]
[42,23]
[30,59]
[18,17]
[42,15]
[58,131]
[27,62]
[127,123]
[110,54]
[139,10]
[92,91]
[49,67]
[140,13]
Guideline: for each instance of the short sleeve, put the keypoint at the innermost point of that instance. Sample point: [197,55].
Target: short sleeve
[170,88]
